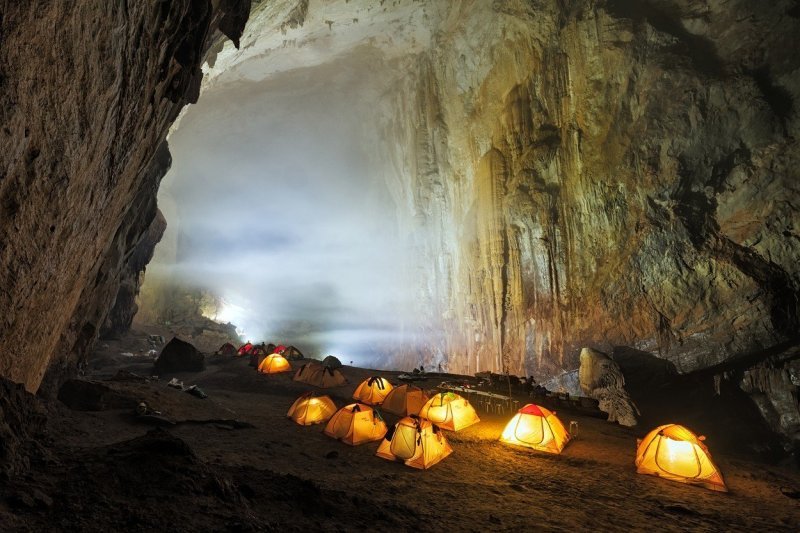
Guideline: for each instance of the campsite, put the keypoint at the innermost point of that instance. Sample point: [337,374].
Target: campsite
[236,461]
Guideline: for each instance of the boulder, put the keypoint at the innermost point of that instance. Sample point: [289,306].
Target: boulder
[82,395]
[179,356]
[601,379]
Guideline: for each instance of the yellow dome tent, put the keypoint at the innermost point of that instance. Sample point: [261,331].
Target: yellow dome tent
[536,427]
[415,442]
[309,409]
[356,424]
[372,391]
[673,452]
[404,400]
[273,364]
[450,411]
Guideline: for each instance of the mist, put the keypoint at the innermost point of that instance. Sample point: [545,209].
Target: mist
[277,205]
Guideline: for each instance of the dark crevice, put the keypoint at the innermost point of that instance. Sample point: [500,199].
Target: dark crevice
[696,210]
[700,50]
[778,98]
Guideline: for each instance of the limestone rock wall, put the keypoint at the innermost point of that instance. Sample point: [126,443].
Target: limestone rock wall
[608,174]
[88,90]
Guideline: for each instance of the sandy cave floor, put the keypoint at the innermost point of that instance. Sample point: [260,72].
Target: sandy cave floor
[278,475]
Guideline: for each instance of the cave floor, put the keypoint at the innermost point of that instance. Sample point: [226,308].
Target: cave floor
[278,475]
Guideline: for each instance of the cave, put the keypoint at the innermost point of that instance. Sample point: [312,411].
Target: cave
[474,218]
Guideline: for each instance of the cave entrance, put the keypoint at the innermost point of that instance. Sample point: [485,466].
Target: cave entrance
[286,215]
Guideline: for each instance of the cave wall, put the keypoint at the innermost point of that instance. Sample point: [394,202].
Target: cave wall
[607,174]
[575,173]
[88,90]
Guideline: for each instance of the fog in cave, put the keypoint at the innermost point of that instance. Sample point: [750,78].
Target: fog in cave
[275,205]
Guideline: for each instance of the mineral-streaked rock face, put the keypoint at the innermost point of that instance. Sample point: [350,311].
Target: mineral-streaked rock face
[88,90]
[605,174]
[576,173]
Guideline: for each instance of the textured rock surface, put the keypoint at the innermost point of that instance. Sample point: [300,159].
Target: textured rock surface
[601,378]
[120,317]
[613,173]
[88,91]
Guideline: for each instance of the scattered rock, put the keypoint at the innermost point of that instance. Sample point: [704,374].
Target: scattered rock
[332,455]
[179,356]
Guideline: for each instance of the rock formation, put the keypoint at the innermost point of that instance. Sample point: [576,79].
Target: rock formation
[601,379]
[607,173]
[88,92]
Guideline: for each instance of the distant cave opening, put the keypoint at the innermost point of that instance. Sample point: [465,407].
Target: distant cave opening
[288,214]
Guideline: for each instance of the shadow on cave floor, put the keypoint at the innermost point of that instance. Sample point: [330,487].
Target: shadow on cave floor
[106,470]
[730,420]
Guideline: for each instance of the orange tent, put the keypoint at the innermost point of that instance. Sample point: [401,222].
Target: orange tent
[415,442]
[404,400]
[309,409]
[536,427]
[450,411]
[372,391]
[356,424]
[673,452]
[273,364]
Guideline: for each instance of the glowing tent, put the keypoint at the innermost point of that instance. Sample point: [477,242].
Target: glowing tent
[309,409]
[257,354]
[227,349]
[415,442]
[404,400]
[273,364]
[356,424]
[536,427]
[450,411]
[673,452]
[244,349]
[372,391]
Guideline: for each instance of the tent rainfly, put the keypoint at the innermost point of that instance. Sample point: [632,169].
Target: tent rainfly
[404,400]
[372,391]
[675,453]
[309,409]
[274,364]
[415,442]
[356,424]
[536,427]
[450,411]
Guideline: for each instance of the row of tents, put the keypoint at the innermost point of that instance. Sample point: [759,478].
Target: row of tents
[670,451]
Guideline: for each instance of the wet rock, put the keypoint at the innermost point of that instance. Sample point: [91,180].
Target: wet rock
[601,379]
[179,356]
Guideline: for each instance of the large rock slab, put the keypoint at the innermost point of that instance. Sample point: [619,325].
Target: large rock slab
[601,378]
